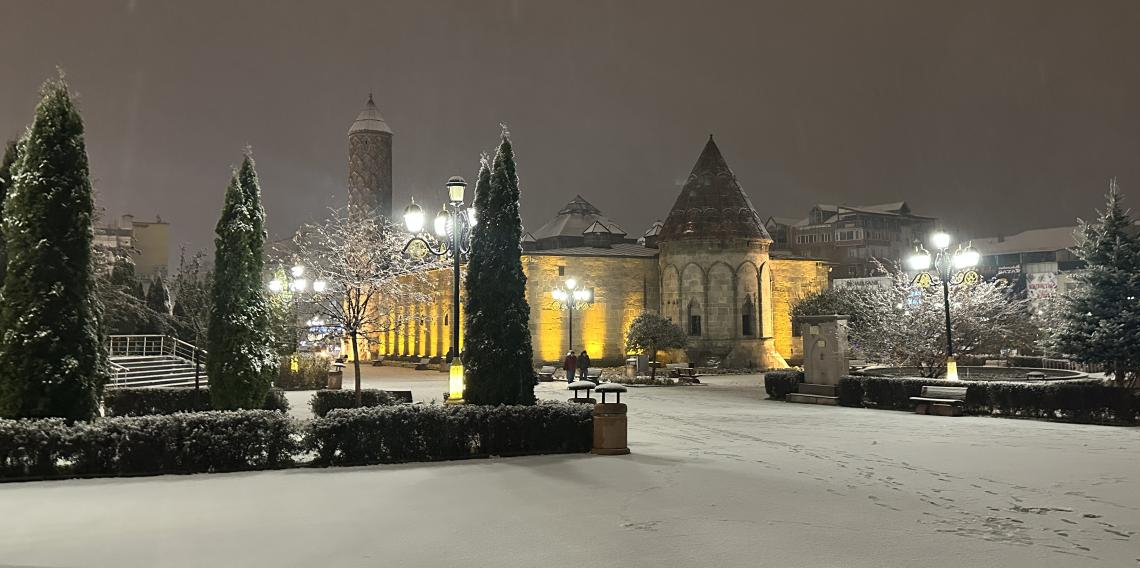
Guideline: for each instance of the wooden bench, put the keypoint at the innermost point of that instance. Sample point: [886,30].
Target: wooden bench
[546,373]
[682,372]
[424,364]
[857,364]
[942,401]
[593,374]
[402,397]
[379,361]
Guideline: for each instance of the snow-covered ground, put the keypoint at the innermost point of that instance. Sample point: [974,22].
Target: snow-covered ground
[718,477]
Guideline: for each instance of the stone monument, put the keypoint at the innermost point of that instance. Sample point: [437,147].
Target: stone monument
[827,356]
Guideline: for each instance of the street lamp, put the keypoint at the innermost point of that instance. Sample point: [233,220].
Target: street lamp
[952,269]
[570,297]
[452,227]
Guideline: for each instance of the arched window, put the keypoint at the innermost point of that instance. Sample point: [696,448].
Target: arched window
[694,318]
[748,318]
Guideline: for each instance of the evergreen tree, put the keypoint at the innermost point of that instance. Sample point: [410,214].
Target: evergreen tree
[122,297]
[1100,317]
[7,169]
[241,362]
[497,343]
[51,353]
[158,305]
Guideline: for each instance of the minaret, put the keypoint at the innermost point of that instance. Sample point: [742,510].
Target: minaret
[370,163]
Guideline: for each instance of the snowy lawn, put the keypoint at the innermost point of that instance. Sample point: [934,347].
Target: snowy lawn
[718,477]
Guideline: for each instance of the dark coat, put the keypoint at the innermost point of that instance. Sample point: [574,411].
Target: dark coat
[583,361]
[571,362]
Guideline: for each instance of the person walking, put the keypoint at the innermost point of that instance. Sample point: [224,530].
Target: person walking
[583,365]
[570,364]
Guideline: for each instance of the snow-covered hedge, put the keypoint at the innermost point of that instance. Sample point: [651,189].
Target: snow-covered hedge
[779,383]
[325,401]
[176,443]
[404,433]
[168,400]
[1085,401]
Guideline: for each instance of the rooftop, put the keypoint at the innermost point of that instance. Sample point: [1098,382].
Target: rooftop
[574,219]
[627,250]
[712,203]
[369,119]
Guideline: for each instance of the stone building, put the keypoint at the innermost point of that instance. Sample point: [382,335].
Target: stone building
[706,267]
[370,162]
[852,237]
[148,243]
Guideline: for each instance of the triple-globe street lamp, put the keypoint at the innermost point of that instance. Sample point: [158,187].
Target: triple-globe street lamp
[952,269]
[452,238]
[570,297]
[292,287]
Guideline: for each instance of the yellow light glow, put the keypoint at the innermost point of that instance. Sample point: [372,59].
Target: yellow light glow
[951,369]
[593,334]
[455,383]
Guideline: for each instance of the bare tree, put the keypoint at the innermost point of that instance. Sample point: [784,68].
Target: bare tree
[360,276]
[192,302]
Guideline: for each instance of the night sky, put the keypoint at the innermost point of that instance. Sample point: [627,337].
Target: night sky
[995,116]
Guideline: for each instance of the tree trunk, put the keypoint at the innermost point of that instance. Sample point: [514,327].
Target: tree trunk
[356,366]
[653,363]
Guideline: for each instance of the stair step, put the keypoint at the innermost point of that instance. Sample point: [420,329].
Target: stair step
[813,399]
[816,389]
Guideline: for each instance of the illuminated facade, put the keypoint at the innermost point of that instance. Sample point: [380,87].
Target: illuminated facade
[707,267]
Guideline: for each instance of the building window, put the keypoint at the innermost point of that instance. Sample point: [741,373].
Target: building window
[562,271]
[747,327]
[694,319]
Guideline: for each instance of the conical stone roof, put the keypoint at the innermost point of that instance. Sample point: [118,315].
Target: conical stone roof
[369,119]
[712,204]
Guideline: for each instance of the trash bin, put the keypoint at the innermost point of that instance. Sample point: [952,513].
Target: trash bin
[610,423]
[631,368]
[578,387]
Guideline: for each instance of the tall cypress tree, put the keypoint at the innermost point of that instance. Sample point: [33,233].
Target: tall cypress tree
[51,353]
[1100,317]
[241,362]
[7,169]
[497,344]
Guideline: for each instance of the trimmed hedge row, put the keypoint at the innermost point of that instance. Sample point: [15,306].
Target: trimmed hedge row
[325,401]
[199,442]
[176,443]
[392,434]
[1088,401]
[779,383]
[169,400]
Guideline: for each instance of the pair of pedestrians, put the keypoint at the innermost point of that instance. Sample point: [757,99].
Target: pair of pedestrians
[581,363]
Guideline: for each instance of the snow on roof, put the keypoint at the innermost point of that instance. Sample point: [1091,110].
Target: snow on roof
[574,219]
[617,249]
[1033,240]
[784,220]
[369,119]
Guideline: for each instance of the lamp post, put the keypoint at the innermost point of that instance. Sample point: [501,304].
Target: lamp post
[569,297]
[291,286]
[452,226]
[951,269]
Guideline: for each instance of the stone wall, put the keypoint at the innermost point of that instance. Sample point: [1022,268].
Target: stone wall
[792,279]
[623,288]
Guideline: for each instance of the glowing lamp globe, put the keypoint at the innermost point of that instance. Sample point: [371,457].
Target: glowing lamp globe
[414,217]
[940,240]
[319,286]
[276,285]
[455,187]
[442,222]
[919,260]
[967,258]
[297,271]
